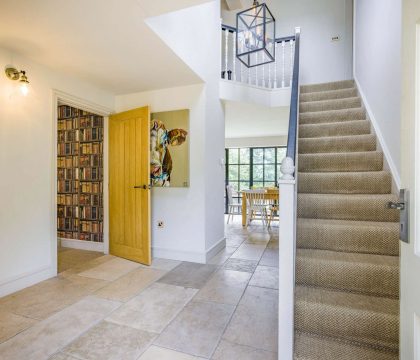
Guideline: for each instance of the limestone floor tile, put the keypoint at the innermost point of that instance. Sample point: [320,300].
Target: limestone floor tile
[241,265]
[270,258]
[234,240]
[222,256]
[45,338]
[197,329]
[158,353]
[254,322]
[249,252]
[226,287]
[258,238]
[108,341]
[130,284]
[153,308]
[83,266]
[189,274]
[273,244]
[50,296]
[266,277]
[163,264]
[111,270]
[230,351]
[62,356]
[71,257]
[11,324]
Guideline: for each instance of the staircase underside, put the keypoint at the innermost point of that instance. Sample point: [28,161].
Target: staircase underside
[347,260]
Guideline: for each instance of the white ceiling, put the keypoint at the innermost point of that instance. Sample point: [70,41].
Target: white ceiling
[106,43]
[243,120]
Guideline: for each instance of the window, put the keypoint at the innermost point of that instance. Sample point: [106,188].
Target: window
[253,167]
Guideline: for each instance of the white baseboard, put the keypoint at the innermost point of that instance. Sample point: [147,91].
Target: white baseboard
[215,249]
[82,245]
[22,281]
[385,150]
[197,257]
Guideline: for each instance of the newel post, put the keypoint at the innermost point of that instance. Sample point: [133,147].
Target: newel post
[287,236]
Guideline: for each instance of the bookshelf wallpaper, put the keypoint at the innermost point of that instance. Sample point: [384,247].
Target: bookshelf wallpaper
[80,174]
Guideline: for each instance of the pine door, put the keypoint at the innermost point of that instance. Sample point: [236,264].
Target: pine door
[129,185]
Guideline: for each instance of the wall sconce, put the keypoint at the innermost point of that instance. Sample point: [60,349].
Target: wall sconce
[14,74]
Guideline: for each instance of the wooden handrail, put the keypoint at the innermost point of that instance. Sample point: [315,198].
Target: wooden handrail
[232,29]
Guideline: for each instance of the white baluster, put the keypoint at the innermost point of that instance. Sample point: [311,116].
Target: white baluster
[263,76]
[234,57]
[256,69]
[275,69]
[249,74]
[283,44]
[291,60]
[226,52]
[269,75]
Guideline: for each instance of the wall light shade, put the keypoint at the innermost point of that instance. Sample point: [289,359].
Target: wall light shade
[255,35]
[14,74]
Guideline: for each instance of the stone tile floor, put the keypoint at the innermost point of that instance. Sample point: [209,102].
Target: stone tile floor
[110,308]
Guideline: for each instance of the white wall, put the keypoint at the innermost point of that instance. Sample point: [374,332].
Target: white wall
[321,59]
[27,225]
[191,33]
[261,141]
[377,51]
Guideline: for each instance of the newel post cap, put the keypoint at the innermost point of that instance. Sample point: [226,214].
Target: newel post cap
[287,168]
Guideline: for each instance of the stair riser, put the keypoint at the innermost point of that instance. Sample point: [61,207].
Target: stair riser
[370,328]
[361,127]
[369,161]
[332,116]
[358,143]
[354,239]
[328,95]
[333,183]
[327,86]
[364,278]
[352,207]
[327,105]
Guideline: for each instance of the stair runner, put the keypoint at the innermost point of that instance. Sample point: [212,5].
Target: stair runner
[347,261]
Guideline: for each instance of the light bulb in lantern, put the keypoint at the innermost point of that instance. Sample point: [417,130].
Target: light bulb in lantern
[24,84]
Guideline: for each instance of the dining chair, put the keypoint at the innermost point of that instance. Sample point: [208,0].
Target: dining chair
[256,204]
[233,208]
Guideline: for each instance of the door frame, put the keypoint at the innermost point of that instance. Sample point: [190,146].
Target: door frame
[71,100]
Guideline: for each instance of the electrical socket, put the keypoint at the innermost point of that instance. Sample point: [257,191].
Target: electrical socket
[160,224]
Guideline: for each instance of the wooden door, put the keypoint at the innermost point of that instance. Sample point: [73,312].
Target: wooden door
[129,185]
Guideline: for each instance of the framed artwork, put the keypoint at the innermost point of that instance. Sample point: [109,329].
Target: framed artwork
[169,148]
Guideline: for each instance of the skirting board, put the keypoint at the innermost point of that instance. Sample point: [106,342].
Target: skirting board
[190,256]
[387,155]
[25,280]
[82,245]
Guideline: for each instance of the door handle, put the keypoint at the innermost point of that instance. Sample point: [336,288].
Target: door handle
[402,205]
[144,187]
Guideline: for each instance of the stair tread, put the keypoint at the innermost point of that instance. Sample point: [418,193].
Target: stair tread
[312,347]
[345,257]
[349,143]
[335,85]
[330,104]
[362,302]
[349,223]
[316,131]
[367,182]
[344,161]
[329,94]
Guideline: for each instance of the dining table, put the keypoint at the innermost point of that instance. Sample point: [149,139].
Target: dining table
[270,194]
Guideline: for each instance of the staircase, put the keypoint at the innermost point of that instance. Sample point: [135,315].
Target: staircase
[347,259]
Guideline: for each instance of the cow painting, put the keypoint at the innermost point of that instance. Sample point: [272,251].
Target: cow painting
[160,158]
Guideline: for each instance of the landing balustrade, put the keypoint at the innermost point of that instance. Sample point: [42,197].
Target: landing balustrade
[275,75]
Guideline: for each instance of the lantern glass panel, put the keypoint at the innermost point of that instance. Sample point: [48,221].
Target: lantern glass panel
[255,36]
